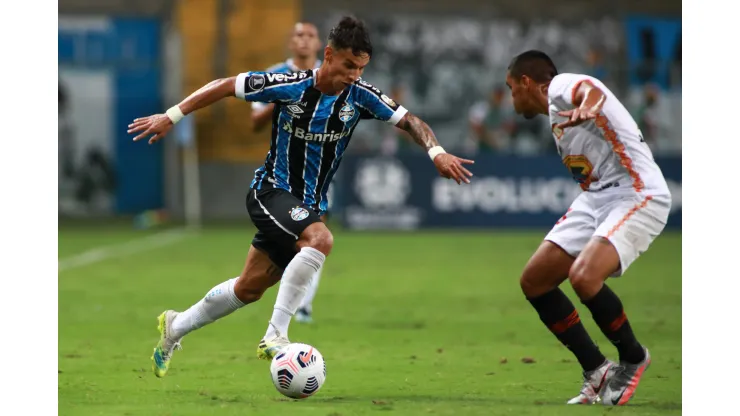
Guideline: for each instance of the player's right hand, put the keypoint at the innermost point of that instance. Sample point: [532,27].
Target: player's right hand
[577,116]
[158,125]
[451,167]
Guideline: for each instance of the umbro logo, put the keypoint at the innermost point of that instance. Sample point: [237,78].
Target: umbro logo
[295,109]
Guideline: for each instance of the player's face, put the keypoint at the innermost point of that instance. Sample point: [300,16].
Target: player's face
[344,66]
[522,94]
[305,40]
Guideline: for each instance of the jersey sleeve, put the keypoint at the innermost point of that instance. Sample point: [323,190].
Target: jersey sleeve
[375,104]
[278,67]
[271,87]
[563,87]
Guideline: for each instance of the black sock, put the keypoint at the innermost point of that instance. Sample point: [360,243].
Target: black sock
[608,313]
[560,316]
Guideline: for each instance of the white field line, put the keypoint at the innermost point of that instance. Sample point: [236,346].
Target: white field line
[128,248]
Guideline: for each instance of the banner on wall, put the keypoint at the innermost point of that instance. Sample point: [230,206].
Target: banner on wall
[654,49]
[406,192]
[109,74]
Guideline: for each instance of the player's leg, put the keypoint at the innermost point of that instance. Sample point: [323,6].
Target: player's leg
[305,242]
[598,260]
[304,313]
[313,245]
[258,275]
[305,310]
[628,229]
[542,275]
[547,268]
[544,272]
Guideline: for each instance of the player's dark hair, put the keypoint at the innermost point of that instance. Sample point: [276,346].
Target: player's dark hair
[534,64]
[351,33]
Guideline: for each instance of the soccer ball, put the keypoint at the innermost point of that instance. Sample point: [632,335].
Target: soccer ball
[298,371]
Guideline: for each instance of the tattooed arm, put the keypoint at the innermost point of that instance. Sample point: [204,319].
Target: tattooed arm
[375,104]
[449,166]
[418,130]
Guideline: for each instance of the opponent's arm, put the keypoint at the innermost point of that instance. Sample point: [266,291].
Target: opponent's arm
[588,100]
[589,96]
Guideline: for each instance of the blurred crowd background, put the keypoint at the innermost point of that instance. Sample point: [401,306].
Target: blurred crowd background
[445,61]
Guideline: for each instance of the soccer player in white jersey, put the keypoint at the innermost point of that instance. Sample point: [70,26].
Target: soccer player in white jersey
[623,208]
[304,46]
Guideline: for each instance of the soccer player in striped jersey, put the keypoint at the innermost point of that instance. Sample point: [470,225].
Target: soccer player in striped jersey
[623,208]
[304,44]
[315,115]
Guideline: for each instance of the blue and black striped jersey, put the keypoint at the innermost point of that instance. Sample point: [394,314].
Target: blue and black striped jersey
[286,67]
[310,130]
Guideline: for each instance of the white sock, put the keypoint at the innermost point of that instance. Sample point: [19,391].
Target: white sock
[307,303]
[218,302]
[292,290]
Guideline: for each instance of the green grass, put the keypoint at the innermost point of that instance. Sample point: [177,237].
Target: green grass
[410,324]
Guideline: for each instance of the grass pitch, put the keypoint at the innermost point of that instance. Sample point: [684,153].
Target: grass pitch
[423,323]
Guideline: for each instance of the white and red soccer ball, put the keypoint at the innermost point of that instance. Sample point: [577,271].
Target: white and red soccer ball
[298,371]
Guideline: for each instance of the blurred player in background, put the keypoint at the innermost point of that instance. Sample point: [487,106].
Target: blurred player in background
[623,208]
[304,46]
[491,122]
[315,115]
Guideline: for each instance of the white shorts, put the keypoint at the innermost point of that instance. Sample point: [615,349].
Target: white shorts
[629,220]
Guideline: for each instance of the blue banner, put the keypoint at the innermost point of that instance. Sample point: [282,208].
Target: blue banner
[653,46]
[406,192]
[110,73]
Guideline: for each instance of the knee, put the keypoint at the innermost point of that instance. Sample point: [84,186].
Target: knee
[586,283]
[526,283]
[532,283]
[318,238]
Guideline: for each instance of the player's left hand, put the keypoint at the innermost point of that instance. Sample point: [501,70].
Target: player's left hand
[576,116]
[451,167]
[158,125]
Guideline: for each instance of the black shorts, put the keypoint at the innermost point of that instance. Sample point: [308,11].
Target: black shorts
[280,219]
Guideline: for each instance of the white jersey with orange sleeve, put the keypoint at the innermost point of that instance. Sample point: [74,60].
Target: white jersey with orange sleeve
[626,199]
[607,152]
